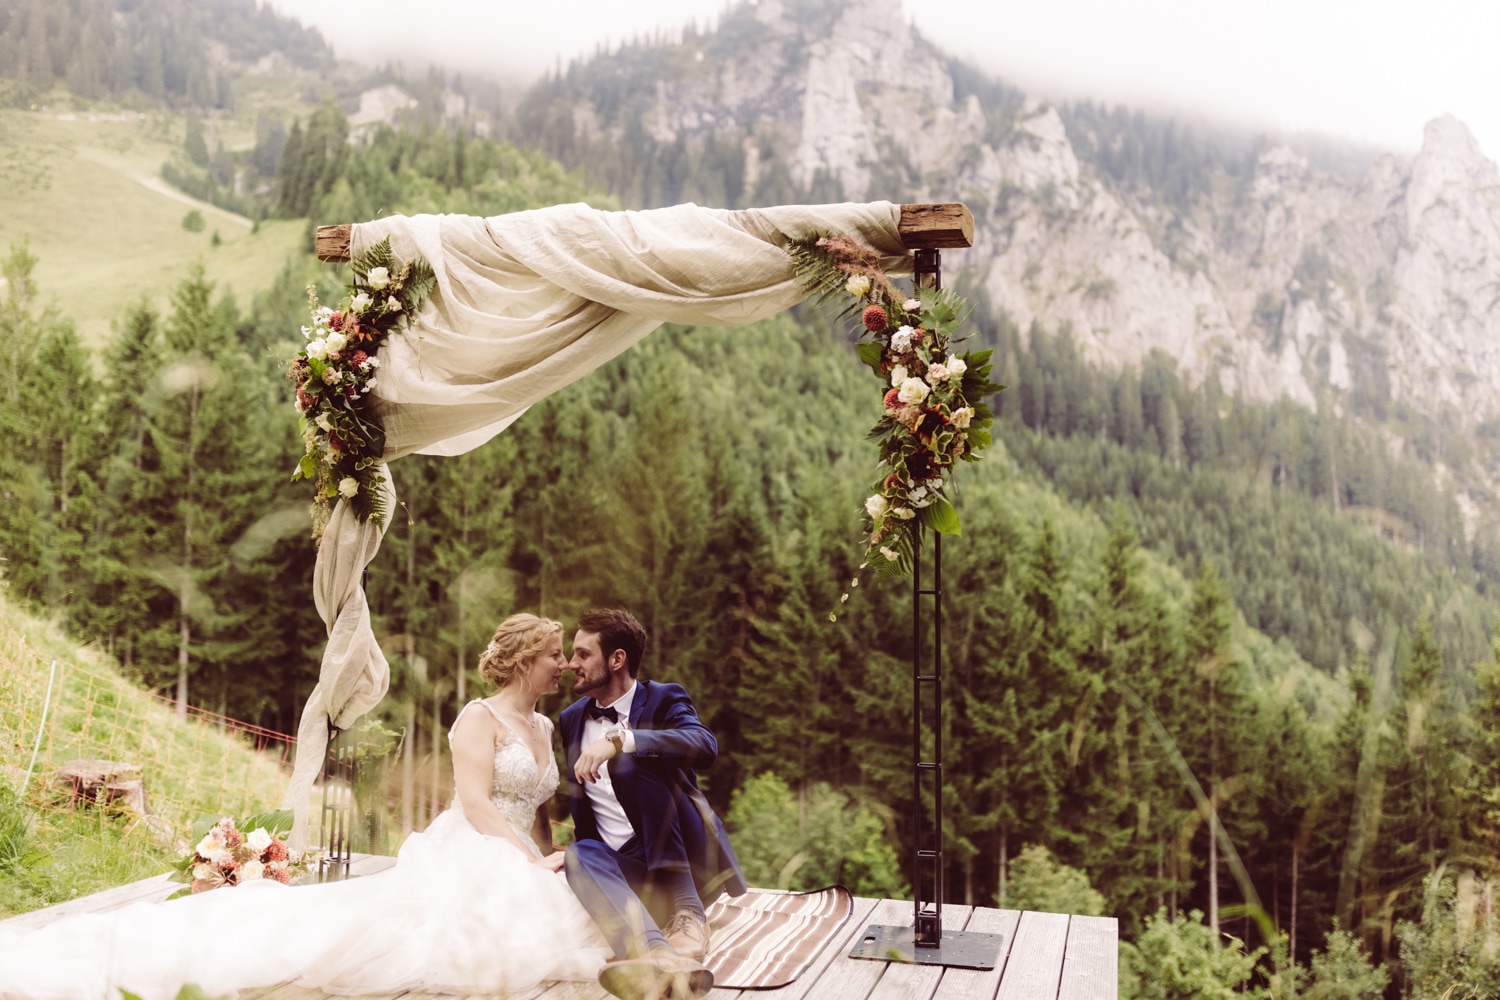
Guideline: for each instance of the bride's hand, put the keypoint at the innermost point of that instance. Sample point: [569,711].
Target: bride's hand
[553,861]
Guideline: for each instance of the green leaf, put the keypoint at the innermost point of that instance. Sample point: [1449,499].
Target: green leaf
[307,468]
[870,353]
[941,517]
[277,822]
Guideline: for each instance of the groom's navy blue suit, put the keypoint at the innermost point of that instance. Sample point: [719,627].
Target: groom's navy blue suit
[657,786]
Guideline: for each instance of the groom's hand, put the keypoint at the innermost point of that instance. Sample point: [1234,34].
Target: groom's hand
[594,757]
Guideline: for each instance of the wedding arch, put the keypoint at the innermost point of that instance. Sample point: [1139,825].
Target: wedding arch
[523,305]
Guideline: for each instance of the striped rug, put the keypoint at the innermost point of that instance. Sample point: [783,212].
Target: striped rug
[766,938]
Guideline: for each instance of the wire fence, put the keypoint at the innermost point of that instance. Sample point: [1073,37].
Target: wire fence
[60,705]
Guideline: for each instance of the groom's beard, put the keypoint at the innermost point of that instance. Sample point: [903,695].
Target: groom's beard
[583,684]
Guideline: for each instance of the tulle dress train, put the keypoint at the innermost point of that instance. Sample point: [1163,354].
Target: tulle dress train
[460,912]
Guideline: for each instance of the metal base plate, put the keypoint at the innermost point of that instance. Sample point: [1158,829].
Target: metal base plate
[956,949]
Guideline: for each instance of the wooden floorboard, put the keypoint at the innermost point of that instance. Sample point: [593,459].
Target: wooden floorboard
[157,887]
[973,984]
[1091,965]
[855,978]
[1043,956]
[904,981]
[1035,963]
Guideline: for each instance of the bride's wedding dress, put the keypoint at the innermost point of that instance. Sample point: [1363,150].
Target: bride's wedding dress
[460,912]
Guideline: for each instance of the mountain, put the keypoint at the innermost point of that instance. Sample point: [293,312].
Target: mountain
[1279,271]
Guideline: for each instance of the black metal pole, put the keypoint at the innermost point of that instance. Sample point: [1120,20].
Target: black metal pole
[924,942]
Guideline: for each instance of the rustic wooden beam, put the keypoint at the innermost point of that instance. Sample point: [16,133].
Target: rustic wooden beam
[332,243]
[936,227]
[923,227]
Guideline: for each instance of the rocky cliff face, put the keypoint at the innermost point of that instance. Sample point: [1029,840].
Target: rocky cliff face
[1289,283]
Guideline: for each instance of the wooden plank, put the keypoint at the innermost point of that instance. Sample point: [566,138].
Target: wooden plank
[574,991]
[930,226]
[155,888]
[972,984]
[940,226]
[369,864]
[286,991]
[848,978]
[1035,963]
[1091,966]
[903,981]
[332,242]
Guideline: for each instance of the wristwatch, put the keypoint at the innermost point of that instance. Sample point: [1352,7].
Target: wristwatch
[616,735]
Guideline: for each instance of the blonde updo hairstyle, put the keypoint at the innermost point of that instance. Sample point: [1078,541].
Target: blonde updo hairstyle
[519,640]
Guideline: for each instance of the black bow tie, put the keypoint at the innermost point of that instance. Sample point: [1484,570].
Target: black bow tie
[596,712]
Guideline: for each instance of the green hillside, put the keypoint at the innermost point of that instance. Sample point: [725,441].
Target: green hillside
[85,192]
[190,769]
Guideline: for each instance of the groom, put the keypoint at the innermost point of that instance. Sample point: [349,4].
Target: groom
[647,848]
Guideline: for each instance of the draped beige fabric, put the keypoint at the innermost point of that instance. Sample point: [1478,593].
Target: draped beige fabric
[524,305]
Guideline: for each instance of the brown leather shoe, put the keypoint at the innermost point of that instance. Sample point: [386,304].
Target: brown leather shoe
[688,934]
[662,975]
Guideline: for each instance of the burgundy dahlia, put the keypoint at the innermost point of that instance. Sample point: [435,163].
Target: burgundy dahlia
[875,319]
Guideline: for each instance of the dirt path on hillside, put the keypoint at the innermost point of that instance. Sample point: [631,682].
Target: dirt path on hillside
[162,187]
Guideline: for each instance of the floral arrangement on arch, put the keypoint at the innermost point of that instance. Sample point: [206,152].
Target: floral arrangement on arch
[933,413]
[226,856]
[335,372]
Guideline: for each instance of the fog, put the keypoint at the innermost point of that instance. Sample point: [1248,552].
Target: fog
[1374,72]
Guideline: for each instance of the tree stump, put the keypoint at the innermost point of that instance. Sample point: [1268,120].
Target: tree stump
[104,782]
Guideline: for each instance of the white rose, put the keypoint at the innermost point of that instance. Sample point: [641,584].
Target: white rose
[937,372]
[259,839]
[336,342]
[251,870]
[360,303]
[378,278]
[962,416]
[348,487]
[913,390]
[901,339]
[317,349]
[876,505]
[911,305]
[957,367]
[857,286]
[392,304]
[204,872]
[890,554]
[898,375]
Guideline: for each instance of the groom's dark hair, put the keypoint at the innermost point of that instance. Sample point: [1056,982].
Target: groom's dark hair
[617,629]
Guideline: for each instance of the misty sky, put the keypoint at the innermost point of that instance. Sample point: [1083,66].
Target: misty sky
[1374,71]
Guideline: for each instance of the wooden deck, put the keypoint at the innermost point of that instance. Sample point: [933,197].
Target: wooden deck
[1045,956]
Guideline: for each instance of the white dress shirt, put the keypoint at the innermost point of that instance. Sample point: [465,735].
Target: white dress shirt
[609,815]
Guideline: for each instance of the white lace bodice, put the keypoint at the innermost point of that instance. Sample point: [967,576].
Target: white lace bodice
[517,789]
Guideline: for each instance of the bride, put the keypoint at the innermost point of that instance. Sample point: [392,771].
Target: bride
[475,904]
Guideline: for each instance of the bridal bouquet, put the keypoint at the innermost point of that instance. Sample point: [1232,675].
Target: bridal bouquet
[932,395]
[336,370]
[226,856]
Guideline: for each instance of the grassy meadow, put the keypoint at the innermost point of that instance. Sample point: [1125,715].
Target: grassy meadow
[190,769]
[85,192]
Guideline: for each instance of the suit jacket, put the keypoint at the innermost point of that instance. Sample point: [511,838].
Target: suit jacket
[657,786]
